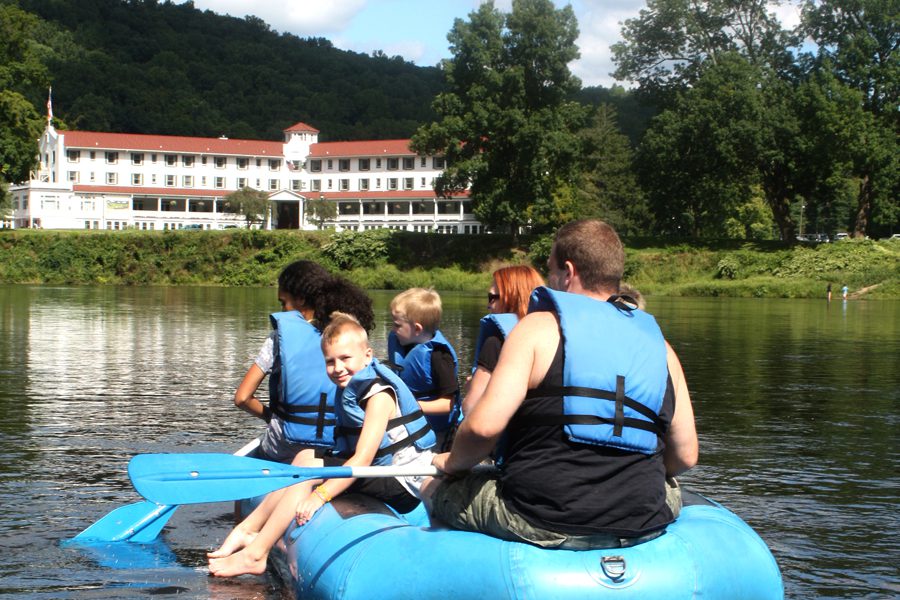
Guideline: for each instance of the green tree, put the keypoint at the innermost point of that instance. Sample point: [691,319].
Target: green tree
[21,76]
[319,211]
[506,125]
[608,187]
[253,204]
[733,132]
[668,46]
[858,43]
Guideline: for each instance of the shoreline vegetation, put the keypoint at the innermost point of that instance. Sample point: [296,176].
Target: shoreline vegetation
[384,259]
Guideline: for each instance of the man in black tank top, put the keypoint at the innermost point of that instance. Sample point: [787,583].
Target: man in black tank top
[553,491]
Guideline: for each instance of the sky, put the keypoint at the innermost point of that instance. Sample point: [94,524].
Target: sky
[417,29]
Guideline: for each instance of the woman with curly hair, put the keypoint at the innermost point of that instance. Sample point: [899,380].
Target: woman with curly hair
[300,413]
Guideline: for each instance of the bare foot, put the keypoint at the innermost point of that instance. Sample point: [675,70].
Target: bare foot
[238,538]
[239,563]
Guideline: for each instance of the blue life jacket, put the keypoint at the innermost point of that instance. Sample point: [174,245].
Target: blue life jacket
[350,415]
[300,392]
[614,372]
[499,325]
[414,368]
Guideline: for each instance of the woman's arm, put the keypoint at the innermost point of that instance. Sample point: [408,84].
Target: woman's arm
[244,397]
[682,447]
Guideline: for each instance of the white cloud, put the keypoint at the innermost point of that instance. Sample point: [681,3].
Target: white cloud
[302,18]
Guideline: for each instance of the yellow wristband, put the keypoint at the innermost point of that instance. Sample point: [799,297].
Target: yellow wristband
[322,494]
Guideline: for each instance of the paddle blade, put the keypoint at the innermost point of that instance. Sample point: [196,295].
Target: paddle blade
[197,478]
[140,522]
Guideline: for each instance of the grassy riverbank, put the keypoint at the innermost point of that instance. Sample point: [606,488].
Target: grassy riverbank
[397,260]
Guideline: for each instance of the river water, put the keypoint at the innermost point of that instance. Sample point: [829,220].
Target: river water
[796,404]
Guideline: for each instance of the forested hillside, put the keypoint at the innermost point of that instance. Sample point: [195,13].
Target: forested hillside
[158,67]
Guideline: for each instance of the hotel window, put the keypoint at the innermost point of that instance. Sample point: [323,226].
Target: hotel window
[315,166]
[170,181]
[344,164]
[392,183]
[241,183]
[73,155]
[273,184]
[219,162]
[93,178]
[437,162]
[363,184]
[153,178]
[137,179]
[344,185]
[187,181]
[112,178]
[423,162]
[93,154]
[393,164]
[330,183]
[258,162]
[171,160]
[378,183]
[330,164]
[315,185]
[137,158]
[73,176]
[243,163]
[407,183]
[220,183]
[187,161]
[153,158]
[409,163]
[112,158]
[364,164]
[296,185]
[202,160]
[423,182]
[377,163]
[274,165]
[296,165]
[203,181]
[88,205]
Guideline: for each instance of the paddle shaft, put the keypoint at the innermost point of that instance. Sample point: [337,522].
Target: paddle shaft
[197,478]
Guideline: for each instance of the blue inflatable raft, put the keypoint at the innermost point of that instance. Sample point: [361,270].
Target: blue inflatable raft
[356,547]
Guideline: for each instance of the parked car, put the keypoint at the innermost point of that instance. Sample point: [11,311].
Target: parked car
[841,236]
[896,236]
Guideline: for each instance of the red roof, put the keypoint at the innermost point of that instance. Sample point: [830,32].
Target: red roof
[361,148]
[171,143]
[149,191]
[388,195]
[302,127]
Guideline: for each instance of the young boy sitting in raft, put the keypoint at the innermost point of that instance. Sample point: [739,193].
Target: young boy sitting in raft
[373,407]
[423,357]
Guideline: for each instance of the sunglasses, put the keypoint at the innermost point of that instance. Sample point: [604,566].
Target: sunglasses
[493,297]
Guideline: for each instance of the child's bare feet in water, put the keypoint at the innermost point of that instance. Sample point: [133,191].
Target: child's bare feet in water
[245,562]
[238,538]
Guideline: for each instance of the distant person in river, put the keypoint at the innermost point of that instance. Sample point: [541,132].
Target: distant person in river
[423,358]
[844,291]
[828,291]
[379,422]
[300,413]
[507,302]
[596,412]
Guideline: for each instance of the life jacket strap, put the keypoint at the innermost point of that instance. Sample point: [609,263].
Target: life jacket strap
[656,424]
[319,420]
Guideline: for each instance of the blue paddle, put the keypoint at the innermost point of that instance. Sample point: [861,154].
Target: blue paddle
[197,478]
[140,522]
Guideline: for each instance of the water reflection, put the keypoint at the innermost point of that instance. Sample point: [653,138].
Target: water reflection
[796,404]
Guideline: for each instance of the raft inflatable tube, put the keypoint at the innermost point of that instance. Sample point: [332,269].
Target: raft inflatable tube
[357,548]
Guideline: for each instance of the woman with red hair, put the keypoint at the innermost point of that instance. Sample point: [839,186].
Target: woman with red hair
[507,303]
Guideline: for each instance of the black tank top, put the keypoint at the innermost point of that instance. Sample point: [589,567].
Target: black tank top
[581,489]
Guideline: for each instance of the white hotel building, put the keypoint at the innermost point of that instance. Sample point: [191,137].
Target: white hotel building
[93,180]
